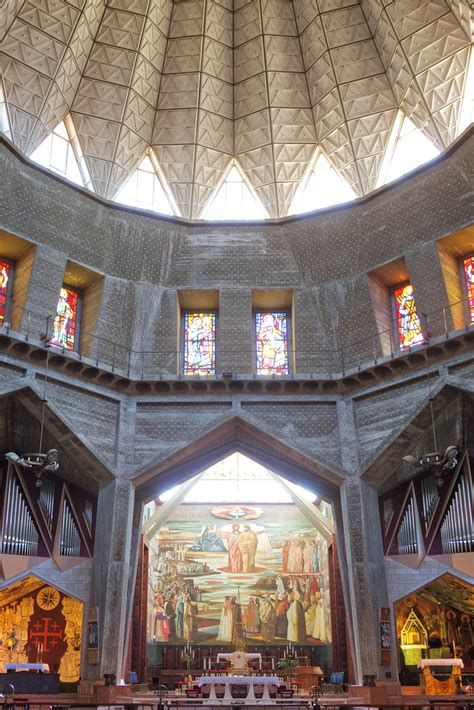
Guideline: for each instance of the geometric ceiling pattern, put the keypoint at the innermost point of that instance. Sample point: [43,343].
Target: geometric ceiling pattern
[206,81]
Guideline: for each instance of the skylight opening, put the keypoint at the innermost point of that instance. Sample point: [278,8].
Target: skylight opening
[407,149]
[467,105]
[145,190]
[238,479]
[56,154]
[4,120]
[324,187]
[234,201]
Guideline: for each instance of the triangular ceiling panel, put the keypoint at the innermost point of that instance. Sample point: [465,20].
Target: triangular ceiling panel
[203,82]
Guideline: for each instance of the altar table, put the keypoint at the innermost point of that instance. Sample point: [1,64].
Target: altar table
[430,685]
[250,680]
[43,667]
[238,659]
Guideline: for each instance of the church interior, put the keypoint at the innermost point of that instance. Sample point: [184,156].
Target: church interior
[236,353]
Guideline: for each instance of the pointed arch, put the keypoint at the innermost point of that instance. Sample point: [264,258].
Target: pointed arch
[147,188]
[234,198]
[408,147]
[321,187]
[60,152]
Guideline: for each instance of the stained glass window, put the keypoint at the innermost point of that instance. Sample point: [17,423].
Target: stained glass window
[199,343]
[66,323]
[271,331]
[469,276]
[408,324]
[5,275]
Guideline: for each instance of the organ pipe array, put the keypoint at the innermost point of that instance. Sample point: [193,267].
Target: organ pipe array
[20,536]
[46,501]
[457,529]
[429,498]
[406,536]
[70,538]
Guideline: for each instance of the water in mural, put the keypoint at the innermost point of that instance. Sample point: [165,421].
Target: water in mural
[229,573]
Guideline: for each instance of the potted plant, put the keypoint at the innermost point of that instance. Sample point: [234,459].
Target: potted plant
[287,664]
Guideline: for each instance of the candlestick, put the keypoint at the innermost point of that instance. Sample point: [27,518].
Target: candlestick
[273,664]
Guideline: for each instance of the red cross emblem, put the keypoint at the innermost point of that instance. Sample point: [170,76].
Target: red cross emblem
[46,632]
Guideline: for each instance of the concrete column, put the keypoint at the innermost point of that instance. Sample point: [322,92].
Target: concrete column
[236,332]
[44,287]
[362,547]
[424,269]
[111,573]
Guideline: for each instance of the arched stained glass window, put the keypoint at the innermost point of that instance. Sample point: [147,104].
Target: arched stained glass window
[5,283]
[199,343]
[409,329]
[468,268]
[66,322]
[271,332]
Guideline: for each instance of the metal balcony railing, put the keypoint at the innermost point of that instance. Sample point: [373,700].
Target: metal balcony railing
[117,357]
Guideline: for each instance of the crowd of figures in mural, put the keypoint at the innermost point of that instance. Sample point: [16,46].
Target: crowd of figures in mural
[225,582]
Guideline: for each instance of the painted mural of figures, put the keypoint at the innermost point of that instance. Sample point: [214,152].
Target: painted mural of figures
[251,618]
[317,558]
[235,562]
[162,629]
[189,614]
[267,619]
[285,551]
[282,607]
[208,541]
[248,542]
[281,591]
[295,557]
[308,553]
[179,623]
[237,626]
[171,615]
[226,626]
[319,630]
[296,620]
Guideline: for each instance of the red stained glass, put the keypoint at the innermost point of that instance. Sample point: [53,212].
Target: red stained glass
[199,344]
[65,324]
[272,343]
[469,276]
[408,324]
[4,283]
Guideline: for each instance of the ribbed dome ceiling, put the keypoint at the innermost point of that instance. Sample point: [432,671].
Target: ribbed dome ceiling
[203,81]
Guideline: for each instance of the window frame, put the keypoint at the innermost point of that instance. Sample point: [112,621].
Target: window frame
[182,349]
[289,340]
[393,300]
[77,335]
[464,289]
[8,292]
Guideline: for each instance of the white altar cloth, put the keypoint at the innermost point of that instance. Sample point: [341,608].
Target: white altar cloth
[250,680]
[239,659]
[440,662]
[43,667]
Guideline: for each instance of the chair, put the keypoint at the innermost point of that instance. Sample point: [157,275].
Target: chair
[335,684]
[285,691]
[133,677]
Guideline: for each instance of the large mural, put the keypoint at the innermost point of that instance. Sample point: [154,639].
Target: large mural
[40,624]
[260,576]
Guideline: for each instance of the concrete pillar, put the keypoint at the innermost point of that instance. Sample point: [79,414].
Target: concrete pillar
[236,332]
[362,547]
[44,288]
[111,573]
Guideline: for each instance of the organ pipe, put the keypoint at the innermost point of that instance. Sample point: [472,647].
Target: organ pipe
[70,537]
[457,526]
[406,536]
[20,536]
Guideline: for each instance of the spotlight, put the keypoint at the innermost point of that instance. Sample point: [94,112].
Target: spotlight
[411,460]
[11,456]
